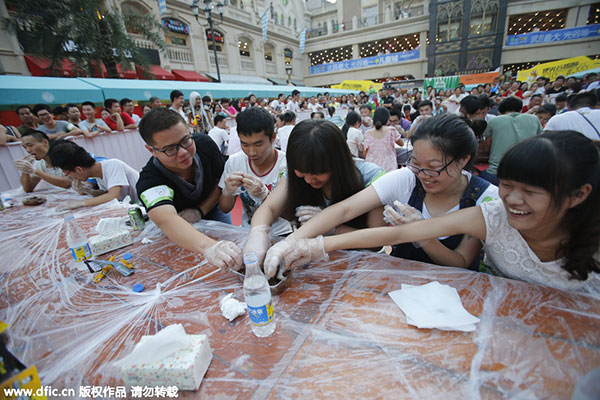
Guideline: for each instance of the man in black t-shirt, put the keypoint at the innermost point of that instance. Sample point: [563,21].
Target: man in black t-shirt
[180,184]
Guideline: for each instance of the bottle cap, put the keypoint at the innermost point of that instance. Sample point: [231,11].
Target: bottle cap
[69,217]
[138,287]
[250,258]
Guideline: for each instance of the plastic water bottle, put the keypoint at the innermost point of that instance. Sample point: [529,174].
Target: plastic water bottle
[258,298]
[77,240]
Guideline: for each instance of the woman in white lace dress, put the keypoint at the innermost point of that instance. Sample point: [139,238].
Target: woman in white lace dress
[545,229]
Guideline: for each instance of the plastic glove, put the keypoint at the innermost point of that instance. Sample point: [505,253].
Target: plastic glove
[25,166]
[255,187]
[191,215]
[70,204]
[289,252]
[80,187]
[233,181]
[305,213]
[406,215]
[258,242]
[224,254]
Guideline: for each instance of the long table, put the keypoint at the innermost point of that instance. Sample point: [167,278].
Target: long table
[338,335]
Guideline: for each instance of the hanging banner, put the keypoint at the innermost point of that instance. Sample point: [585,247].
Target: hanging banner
[358,85]
[302,40]
[374,61]
[565,67]
[162,7]
[479,79]
[442,82]
[176,26]
[265,23]
[558,35]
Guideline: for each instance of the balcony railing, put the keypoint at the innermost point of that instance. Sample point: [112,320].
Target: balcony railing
[180,55]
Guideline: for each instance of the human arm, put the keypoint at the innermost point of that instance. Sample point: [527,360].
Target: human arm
[5,138]
[467,221]
[223,254]
[116,117]
[339,213]
[113,193]
[398,138]
[231,184]
[273,206]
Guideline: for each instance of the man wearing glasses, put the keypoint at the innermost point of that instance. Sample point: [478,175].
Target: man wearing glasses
[179,185]
[51,127]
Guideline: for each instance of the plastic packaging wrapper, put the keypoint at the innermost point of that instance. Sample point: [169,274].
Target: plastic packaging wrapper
[169,358]
[339,334]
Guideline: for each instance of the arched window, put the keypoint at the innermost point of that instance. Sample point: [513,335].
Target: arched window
[289,21]
[483,17]
[131,12]
[219,40]
[295,26]
[449,21]
[269,51]
[288,55]
[245,46]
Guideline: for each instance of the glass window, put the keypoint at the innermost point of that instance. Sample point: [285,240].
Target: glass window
[449,21]
[483,17]
[219,40]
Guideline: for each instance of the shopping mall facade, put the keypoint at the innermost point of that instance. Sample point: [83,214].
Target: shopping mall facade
[354,39]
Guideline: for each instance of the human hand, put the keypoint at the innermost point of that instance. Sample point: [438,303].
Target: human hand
[25,166]
[79,187]
[290,252]
[305,213]
[224,254]
[406,215]
[255,187]
[232,182]
[258,242]
[70,204]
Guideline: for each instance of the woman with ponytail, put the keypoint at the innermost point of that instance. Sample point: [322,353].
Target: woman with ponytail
[379,141]
[353,134]
[545,229]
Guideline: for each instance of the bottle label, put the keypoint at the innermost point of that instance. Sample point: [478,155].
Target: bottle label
[262,315]
[81,253]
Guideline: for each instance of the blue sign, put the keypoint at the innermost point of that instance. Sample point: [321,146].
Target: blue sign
[375,61]
[558,35]
[176,26]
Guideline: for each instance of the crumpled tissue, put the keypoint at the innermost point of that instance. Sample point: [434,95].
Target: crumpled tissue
[169,358]
[434,306]
[232,308]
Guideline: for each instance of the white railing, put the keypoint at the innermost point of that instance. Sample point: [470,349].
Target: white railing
[127,146]
[180,55]
[221,58]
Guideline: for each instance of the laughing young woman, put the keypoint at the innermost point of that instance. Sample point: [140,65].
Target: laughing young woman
[545,229]
[436,182]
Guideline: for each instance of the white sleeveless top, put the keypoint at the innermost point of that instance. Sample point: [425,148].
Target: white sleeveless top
[508,254]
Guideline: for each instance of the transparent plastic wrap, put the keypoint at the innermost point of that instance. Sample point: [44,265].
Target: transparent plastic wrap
[339,334]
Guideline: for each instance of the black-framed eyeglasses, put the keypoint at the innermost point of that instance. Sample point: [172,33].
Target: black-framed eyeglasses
[429,172]
[173,149]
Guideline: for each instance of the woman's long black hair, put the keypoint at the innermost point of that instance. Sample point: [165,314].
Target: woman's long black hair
[318,146]
[351,119]
[561,162]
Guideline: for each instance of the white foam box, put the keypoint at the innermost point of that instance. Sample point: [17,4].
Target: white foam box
[184,368]
[110,241]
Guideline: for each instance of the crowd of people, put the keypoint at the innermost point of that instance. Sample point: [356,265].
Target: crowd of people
[501,179]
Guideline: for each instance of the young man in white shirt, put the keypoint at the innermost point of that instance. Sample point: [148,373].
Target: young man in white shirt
[91,124]
[255,171]
[313,105]
[37,166]
[581,117]
[277,105]
[292,105]
[115,179]
[177,100]
[219,133]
